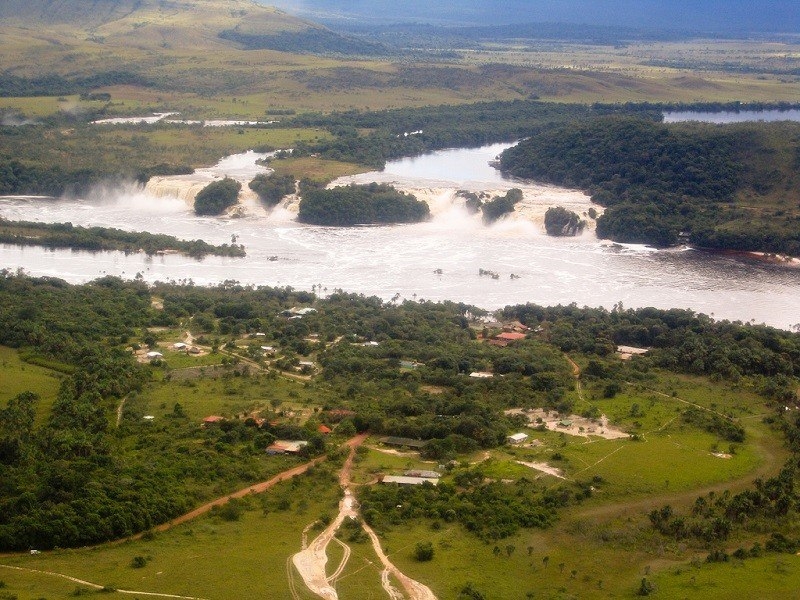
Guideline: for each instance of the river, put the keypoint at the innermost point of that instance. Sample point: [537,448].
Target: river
[729,116]
[404,261]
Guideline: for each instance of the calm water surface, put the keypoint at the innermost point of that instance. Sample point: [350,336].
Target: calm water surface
[385,261]
[742,116]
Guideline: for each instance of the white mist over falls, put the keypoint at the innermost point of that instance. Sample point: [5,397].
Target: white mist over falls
[436,260]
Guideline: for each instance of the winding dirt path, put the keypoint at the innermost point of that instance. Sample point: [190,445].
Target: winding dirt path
[310,562]
[97,586]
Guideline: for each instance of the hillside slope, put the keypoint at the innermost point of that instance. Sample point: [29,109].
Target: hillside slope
[158,24]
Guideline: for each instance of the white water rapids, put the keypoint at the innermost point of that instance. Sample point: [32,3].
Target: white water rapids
[436,260]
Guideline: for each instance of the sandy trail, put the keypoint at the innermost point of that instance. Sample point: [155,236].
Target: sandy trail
[415,589]
[311,561]
[543,467]
[97,586]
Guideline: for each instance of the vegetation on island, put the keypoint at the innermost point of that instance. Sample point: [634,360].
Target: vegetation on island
[725,187]
[272,188]
[217,196]
[500,205]
[94,239]
[559,221]
[373,204]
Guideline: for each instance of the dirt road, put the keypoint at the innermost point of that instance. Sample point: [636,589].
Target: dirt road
[311,561]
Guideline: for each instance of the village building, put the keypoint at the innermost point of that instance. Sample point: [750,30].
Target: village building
[153,354]
[402,442]
[286,447]
[510,336]
[423,474]
[403,480]
[481,375]
[626,352]
[517,438]
[212,420]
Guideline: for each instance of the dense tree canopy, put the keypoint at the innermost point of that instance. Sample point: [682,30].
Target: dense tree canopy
[217,196]
[360,205]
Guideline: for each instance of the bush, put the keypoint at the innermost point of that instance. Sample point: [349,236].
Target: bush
[423,551]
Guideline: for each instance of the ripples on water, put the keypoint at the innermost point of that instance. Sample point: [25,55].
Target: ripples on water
[385,261]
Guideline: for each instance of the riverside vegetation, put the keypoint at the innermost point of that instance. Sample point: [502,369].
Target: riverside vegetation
[72,477]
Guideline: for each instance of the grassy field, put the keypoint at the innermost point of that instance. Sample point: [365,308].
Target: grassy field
[211,557]
[17,376]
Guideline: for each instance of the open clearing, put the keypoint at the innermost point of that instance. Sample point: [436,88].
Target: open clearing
[573,425]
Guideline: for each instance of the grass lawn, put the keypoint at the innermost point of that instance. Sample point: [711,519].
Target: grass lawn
[17,377]
[210,557]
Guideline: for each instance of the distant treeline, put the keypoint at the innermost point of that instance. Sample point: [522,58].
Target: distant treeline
[93,239]
[408,132]
[311,41]
[659,181]
[17,177]
[55,85]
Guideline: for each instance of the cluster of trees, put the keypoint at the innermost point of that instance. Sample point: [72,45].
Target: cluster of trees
[436,127]
[659,181]
[271,189]
[310,41]
[491,511]
[51,84]
[66,235]
[500,205]
[217,196]
[559,221]
[360,205]
[714,517]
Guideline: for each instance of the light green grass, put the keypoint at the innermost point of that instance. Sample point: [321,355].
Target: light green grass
[773,576]
[17,377]
[208,557]
[225,396]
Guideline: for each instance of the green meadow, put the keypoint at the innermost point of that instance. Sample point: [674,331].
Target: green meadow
[17,376]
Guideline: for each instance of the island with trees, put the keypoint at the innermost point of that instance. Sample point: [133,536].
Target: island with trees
[94,239]
[217,196]
[372,204]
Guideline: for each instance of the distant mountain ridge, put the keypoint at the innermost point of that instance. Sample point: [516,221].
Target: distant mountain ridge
[777,16]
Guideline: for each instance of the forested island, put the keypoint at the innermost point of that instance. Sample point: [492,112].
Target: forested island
[217,196]
[94,239]
[373,204]
[722,187]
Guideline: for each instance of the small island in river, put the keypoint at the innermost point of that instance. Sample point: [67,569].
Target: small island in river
[67,235]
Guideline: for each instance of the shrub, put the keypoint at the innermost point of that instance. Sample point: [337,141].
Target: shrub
[423,551]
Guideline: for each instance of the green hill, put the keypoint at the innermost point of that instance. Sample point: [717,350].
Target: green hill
[163,25]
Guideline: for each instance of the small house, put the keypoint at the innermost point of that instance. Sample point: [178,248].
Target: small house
[481,375]
[517,438]
[212,420]
[153,354]
[403,442]
[179,346]
[403,480]
[287,447]
[510,336]
[324,429]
